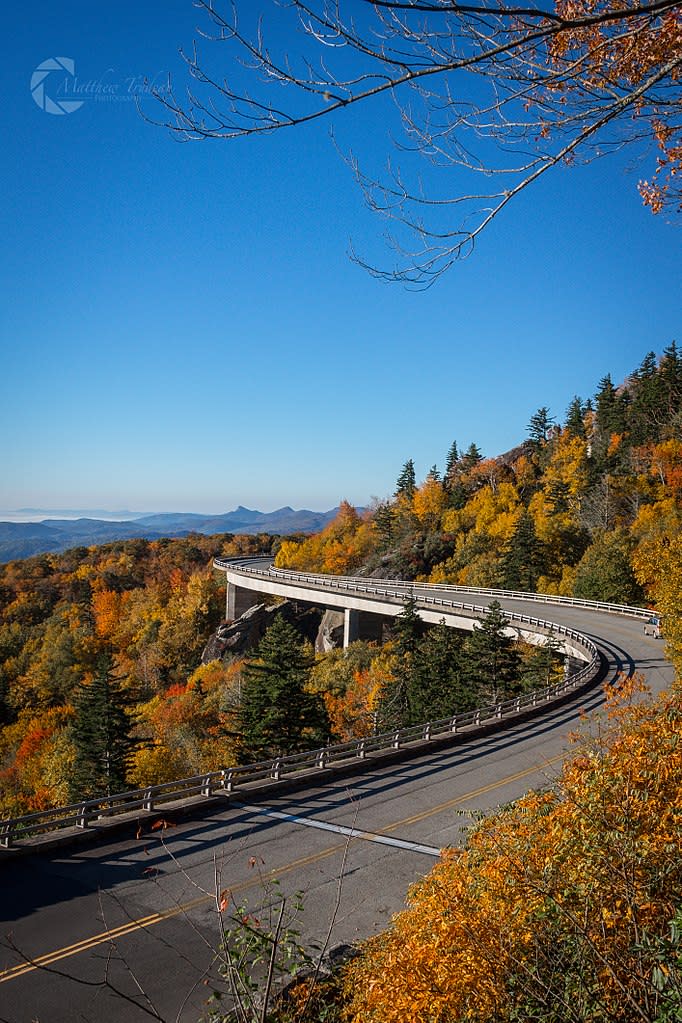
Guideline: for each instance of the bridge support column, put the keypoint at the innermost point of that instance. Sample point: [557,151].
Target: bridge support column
[351,626]
[237,601]
[571,665]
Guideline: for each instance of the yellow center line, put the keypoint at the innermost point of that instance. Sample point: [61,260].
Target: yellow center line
[474,794]
[122,930]
[148,921]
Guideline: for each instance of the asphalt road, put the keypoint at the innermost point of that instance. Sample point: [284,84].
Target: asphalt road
[129,931]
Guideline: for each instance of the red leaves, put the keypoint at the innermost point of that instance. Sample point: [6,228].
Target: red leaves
[162,823]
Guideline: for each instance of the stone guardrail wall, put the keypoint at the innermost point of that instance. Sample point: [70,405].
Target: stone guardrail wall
[231,779]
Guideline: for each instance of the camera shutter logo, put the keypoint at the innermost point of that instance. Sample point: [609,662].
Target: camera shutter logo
[66,66]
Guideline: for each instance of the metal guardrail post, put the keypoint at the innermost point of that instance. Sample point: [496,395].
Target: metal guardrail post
[82,817]
[6,834]
[396,739]
[148,800]
[276,772]
[206,787]
[361,750]
[427,732]
[453,724]
[228,780]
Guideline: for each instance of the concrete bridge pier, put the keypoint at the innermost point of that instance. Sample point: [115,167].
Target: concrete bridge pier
[238,600]
[362,625]
[351,626]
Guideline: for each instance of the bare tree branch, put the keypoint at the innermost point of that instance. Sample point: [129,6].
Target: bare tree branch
[507,92]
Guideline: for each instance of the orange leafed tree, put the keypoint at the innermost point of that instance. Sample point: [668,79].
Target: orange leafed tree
[339,549]
[557,906]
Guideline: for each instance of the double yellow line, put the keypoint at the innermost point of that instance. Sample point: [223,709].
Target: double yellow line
[114,933]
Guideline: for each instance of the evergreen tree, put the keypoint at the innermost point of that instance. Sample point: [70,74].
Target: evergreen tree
[575,418]
[609,409]
[436,689]
[539,425]
[646,406]
[471,458]
[278,715]
[408,628]
[491,665]
[670,374]
[384,523]
[523,558]
[101,736]
[452,483]
[406,483]
[451,462]
[406,632]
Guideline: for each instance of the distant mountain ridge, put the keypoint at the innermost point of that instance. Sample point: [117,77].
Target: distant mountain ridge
[23,539]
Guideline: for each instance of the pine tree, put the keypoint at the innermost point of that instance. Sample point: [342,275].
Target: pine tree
[384,523]
[406,483]
[575,418]
[408,628]
[101,735]
[646,410]
[406,632]
[670,374]
[451,462]
[609,409]
[471,458]
[436,689]
[539,425]
[523,559]
[491,664]
[277,714]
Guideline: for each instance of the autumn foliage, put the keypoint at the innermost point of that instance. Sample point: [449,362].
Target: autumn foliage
[149,607]
[591,508]
[559,907]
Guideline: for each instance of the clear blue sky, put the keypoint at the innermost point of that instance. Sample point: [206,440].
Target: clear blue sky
[182,328]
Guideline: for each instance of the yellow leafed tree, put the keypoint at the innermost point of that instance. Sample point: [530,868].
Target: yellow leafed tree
[557,907]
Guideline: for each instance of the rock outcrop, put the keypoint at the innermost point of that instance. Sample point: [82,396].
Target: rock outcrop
[330,632]
[246,632]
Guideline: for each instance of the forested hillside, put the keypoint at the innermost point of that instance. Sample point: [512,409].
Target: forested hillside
[590,506]
[102,684]
[100,632]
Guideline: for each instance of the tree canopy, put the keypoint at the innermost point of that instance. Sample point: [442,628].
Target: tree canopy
[483,92]
[278,713]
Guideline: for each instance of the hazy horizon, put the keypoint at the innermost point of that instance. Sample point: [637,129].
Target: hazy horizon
[39,515]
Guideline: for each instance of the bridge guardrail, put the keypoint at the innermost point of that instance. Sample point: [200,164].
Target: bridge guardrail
[227,780]
[395,586]
[83,813]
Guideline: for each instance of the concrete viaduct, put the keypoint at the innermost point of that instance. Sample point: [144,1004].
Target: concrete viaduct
[367,603]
